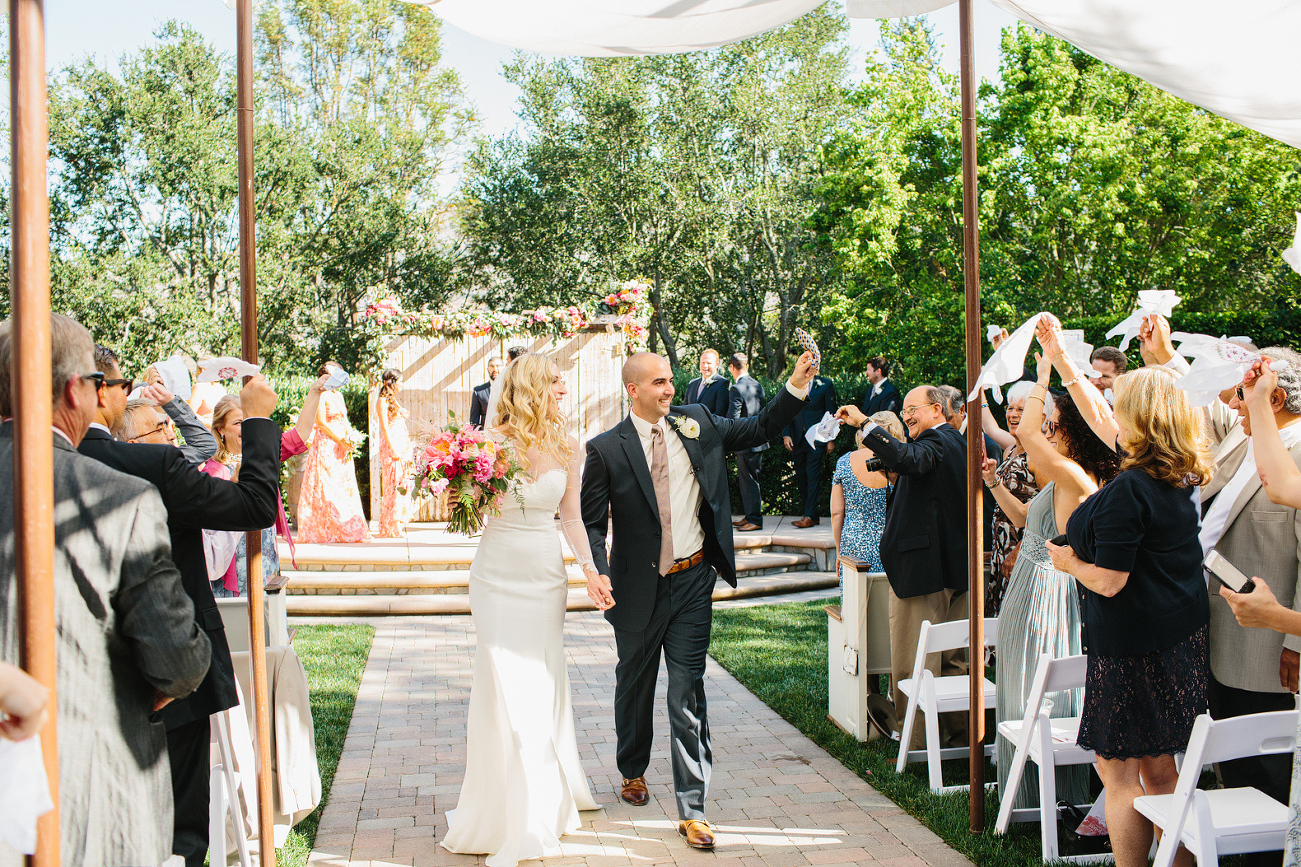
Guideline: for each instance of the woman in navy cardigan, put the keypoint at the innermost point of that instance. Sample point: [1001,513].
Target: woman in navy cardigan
[1134,551]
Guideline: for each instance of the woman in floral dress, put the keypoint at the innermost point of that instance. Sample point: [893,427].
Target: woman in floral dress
[329,506]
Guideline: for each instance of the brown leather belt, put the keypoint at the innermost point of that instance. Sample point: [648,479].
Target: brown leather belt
[687,562]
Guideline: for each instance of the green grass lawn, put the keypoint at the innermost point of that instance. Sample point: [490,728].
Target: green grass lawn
[335,657]
[780,653]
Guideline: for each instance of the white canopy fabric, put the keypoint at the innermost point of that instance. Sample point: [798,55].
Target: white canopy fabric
[1238,60]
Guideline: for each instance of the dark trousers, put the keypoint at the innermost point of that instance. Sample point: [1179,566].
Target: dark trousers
[1271,774]
[747,478]
[808,475]
[679,625]
[187,749]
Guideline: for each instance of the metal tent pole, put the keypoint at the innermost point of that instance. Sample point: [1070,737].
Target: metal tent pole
[248,328]
[33,471]
[975,429]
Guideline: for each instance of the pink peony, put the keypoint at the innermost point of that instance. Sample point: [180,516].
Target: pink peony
[437,486]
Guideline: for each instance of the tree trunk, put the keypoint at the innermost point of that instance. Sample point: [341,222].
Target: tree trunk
[662,326]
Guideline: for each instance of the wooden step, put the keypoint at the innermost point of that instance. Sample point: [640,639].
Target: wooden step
[443,581]
[767,562]
[435,604]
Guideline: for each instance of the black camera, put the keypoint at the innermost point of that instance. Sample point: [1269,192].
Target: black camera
[875,465]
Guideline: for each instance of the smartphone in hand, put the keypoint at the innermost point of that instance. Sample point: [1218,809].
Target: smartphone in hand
[1228,574]
[1060,541]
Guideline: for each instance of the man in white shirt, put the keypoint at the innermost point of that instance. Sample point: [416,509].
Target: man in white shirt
[659,479]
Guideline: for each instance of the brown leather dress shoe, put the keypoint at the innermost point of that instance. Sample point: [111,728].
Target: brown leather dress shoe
[698,833]
[634,792]
[747,527]
[739,523]
[805,523]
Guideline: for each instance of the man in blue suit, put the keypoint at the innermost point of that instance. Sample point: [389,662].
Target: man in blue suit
[709,389]
[809,459]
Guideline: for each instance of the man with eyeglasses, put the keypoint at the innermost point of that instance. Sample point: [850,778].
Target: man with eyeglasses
[195,502]
[924,545]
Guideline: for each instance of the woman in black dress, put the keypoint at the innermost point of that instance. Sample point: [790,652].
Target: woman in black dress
[1134,551]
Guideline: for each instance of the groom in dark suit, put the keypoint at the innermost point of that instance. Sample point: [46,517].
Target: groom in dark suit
[660,476]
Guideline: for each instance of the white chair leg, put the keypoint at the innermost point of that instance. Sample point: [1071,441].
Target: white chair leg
[933,747]
[1013,785]
[227,772]
[1047,786]
[906,736]
[217,817]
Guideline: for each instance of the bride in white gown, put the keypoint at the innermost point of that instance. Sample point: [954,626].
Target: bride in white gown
[524,786]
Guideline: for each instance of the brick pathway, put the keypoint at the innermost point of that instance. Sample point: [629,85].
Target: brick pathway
[776,799]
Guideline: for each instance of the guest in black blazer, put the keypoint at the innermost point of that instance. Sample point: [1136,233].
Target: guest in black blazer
[709,389]
[479,397]
[883,395]
[924,546]
[195,502]
[809,460]
[746,399]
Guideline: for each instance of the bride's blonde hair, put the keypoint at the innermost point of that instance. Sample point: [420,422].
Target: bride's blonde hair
[526,411]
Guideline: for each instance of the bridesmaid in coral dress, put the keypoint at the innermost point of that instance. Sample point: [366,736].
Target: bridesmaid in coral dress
[395,459]
[329,506]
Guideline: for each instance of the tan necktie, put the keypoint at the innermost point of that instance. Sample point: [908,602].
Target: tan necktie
[659,469]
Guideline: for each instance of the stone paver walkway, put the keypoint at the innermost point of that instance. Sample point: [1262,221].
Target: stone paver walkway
[776,799]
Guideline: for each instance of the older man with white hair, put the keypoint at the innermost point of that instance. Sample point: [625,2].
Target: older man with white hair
[127,640]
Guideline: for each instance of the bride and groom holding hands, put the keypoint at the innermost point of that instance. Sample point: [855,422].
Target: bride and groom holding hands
[657,482]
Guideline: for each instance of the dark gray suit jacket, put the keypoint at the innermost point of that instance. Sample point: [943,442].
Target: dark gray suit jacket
[125,628]
[617,487]
[746,398]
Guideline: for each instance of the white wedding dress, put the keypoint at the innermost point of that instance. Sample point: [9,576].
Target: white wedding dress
[524,785]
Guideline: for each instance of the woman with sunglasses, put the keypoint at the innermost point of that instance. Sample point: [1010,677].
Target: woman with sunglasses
[1040,611]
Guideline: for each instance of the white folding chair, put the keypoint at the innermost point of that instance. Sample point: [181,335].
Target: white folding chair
[1222,821]
[1050,744]
[224,797]
[936,695]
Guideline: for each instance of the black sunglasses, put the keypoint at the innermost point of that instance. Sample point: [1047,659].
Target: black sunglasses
[96,376]
[128,385]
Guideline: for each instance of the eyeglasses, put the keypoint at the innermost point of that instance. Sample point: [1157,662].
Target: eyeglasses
[128,385]
[161,428]
[96,376]
[1050,427]
[908,411]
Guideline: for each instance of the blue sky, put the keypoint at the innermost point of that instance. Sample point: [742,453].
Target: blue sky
[80,28]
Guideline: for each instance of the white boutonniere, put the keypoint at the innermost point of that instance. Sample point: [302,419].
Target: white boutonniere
[687,426]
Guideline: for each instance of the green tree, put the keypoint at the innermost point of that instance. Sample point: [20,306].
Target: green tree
[690,171]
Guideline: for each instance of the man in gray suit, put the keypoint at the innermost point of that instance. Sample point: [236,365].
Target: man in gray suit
[1254,670]
[127,640]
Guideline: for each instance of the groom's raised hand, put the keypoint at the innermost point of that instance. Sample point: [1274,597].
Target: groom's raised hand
[803,373]
[599,590]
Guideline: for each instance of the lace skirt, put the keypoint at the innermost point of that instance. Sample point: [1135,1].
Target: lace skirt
[1139,706]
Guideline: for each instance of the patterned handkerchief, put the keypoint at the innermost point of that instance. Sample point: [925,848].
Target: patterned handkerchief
[806,340]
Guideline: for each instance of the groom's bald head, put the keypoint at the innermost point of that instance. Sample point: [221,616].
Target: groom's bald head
[648,379]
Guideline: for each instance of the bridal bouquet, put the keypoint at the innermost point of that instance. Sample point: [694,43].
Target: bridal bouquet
[475,472]
[352,441]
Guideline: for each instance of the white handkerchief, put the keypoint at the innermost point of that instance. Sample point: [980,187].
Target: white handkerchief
[24,792]
[1217,364]
[1292,255]
[993,331]
[824,431]
[1162,301]
[1008,361]
[1072,341]
[226,367]
[176,378]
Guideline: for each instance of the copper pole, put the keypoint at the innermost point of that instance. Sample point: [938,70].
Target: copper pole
[975,428]
[248,333]
[33,475]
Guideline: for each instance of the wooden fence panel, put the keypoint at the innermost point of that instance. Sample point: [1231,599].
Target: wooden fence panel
[440,375]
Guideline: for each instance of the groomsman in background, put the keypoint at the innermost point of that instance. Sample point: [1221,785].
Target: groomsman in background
[709,389]
[746,399]
[479,398]
[883,396]
[809,459]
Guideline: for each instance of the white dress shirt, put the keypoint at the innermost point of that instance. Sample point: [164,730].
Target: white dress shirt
[1217,516]
[684,490]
